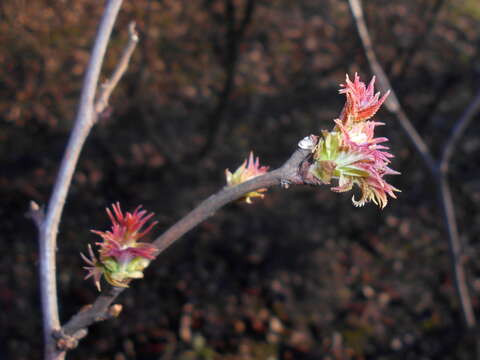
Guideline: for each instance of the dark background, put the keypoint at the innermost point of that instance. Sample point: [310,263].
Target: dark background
[302,274]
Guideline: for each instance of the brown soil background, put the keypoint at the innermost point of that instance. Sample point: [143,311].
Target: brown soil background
[300,275]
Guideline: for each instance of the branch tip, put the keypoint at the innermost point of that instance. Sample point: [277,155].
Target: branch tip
[36,213]
[109,85]
[132,31]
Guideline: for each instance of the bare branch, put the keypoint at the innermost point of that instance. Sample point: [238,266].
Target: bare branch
[458,131]
[100,310]
[121,68]
[448,211]
[455,249]
[392,102]
[290,172]
[49,228]
[445,198]
[36,213]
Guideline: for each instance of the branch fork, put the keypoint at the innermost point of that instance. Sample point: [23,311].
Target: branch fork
[291,172]
[438,169]
[48,223]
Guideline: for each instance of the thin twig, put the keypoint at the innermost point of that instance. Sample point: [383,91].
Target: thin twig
[448,209]
[122,65]
[392,102]
[49,228]
[458,131]
[208,207]
[456,251]
[36,213]
[445,199]
[290,172]
[98,311]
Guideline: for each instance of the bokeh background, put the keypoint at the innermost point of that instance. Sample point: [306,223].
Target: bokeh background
[300,275]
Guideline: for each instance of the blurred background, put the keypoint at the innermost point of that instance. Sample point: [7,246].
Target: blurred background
[302,274]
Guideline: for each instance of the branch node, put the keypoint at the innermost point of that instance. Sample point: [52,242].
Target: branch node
[112,312]
[285,184]
[132,32]
[68,342]
[36,213]
[115,310]
[109,85]
[289,173]
[304,174]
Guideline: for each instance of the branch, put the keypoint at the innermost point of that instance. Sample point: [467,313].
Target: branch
[455,250]
[448,210]
[36,213]
[122,66]
[48,226]
[392,103]
[458,131]
[100,310]
[445,198]
[290,172]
